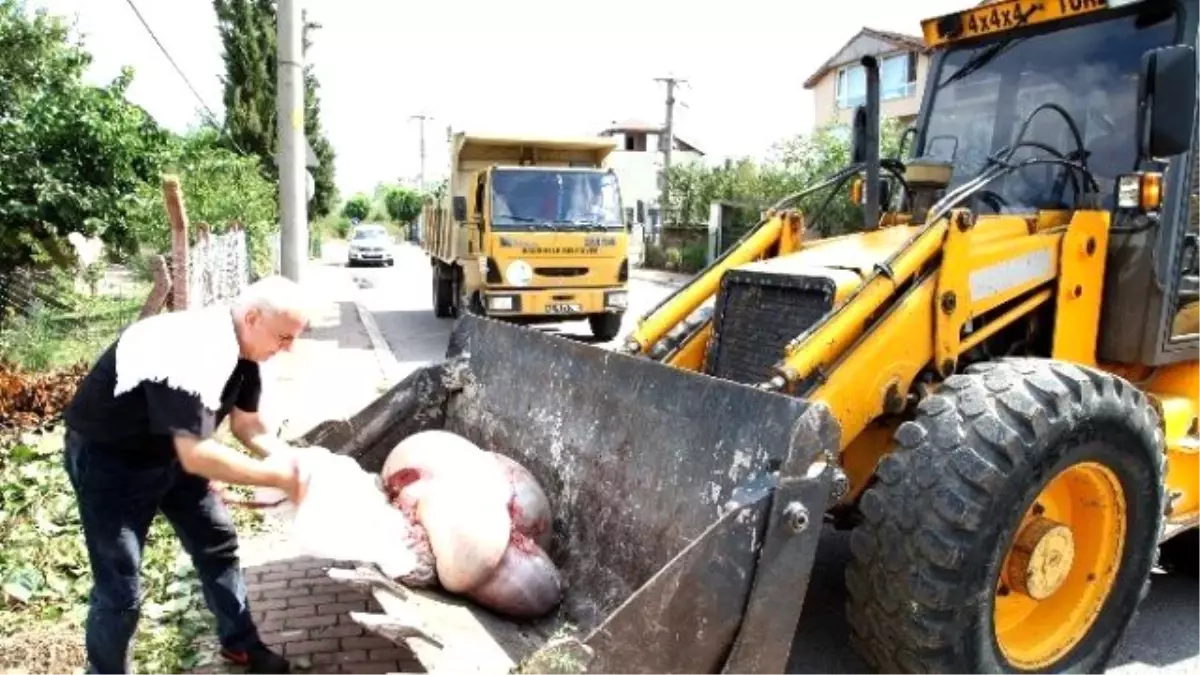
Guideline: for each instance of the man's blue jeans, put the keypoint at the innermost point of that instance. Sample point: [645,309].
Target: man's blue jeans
[117,502]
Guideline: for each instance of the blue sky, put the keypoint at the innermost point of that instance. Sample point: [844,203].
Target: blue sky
[515,66]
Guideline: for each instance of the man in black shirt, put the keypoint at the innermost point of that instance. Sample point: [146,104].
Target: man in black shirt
[139,441]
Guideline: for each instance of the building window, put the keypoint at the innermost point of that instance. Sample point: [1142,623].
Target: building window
[897,79]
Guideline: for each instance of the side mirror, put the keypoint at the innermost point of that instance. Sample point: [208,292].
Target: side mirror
[460,208]
[1166,101]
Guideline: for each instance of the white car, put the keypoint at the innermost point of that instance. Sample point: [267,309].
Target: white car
[370,244]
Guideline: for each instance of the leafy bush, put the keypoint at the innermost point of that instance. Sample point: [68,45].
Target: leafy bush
[219,187]
[795,164]
[654,257]
[694,257]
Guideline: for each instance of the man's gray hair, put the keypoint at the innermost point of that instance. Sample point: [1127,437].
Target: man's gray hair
[273,295]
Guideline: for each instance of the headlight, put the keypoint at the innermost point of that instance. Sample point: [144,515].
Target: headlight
[519,273]
[1129,191]
[1141,191]
[619,299]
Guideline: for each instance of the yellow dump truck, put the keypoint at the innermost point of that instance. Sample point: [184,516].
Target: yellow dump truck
[531,230]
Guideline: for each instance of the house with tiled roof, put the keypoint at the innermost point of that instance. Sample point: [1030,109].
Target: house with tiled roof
[840,84]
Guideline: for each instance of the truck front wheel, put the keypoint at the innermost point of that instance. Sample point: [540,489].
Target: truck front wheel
[605,326]
[442,292]
[1013,527]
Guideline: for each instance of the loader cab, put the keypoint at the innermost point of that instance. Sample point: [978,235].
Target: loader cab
[1125,77]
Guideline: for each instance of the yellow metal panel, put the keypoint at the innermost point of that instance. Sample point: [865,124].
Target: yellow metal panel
[953,306]
[889,357]
[1080,287]
[997,227]
[1187,320]
[691,355]
[1005,269]
[1009,316]
[580,246]
[845,281]
[829,340]
[792,234]
[859,251]
[864,452]
[1175,389]
[1001,17]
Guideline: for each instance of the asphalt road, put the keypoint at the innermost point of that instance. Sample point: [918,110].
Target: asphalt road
[1165,637]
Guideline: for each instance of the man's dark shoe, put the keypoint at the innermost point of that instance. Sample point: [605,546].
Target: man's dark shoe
[257,659]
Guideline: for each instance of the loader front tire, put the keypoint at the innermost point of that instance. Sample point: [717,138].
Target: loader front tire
[1013,527]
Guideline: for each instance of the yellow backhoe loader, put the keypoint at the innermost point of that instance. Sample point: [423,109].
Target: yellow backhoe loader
[994,384]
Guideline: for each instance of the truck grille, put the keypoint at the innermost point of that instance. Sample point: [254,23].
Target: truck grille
[757,314]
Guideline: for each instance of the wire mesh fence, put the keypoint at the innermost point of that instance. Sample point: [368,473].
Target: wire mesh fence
[52,318]
[218,268]
[59,317]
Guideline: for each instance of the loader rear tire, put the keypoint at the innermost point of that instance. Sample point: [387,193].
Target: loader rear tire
[1065,460]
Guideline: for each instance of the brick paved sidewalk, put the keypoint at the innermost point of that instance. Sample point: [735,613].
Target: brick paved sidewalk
[331,372]
[305,615]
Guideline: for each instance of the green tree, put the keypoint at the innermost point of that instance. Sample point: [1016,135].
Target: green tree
[403,204]
[248,35]
[220,187]
[73,155]
[358,206]
[247,30]
[794,164]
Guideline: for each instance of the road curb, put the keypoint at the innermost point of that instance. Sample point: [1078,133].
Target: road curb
[383,352]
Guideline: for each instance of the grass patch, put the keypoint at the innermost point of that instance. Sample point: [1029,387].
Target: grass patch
[50,337]
[45,575]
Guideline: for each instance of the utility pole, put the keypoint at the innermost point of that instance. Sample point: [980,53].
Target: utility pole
[289,108]
[422,118]
[667,141]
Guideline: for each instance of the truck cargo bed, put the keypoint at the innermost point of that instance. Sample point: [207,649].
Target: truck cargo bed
[680,504]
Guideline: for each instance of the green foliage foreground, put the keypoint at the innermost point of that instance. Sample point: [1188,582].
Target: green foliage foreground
[45,575]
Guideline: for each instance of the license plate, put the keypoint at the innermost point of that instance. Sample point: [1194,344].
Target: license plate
[1003,17]
[563,308]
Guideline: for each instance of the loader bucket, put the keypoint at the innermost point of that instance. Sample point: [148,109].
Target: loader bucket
[687,508]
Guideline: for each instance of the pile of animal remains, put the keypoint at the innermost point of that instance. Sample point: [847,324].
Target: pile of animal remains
[479,523]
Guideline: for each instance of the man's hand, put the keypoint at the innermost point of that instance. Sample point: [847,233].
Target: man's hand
[295,470]
[217,462]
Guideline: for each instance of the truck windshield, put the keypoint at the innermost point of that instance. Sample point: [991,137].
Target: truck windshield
[549,199]
[985,92]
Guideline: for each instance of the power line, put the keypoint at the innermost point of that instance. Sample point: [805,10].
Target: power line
[212,116]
